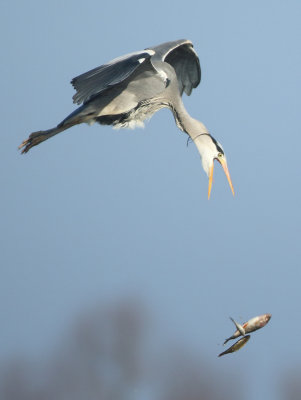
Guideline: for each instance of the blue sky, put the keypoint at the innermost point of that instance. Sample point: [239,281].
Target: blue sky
[95,214]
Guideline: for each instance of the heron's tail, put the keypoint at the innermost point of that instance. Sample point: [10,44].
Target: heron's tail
[36,138]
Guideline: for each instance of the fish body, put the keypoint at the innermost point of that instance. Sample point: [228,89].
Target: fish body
[236,346]
[250,326]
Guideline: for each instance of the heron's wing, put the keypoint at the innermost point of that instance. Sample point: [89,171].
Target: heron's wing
[98,79]
[185,61]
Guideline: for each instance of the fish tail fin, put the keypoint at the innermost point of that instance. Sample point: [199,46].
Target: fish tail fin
[238,326]
[227,340]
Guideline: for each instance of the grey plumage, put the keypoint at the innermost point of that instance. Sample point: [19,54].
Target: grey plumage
[101,78]
[130,89]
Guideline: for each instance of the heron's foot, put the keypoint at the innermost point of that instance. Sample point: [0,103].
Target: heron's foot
[23,146]
[29,143]
[34,139]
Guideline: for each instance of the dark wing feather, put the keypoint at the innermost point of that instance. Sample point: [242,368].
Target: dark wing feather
[186,63]
[98,79]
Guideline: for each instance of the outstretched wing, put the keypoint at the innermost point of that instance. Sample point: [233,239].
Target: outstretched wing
[180,54]
[98,79]
[185,61]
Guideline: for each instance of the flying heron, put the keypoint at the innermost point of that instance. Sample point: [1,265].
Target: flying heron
[131,88]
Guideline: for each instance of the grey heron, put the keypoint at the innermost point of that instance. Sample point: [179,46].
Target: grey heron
[130,89]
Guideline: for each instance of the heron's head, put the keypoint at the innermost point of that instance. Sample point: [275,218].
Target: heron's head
[210,150]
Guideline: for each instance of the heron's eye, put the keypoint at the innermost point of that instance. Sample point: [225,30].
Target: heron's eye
[220,155]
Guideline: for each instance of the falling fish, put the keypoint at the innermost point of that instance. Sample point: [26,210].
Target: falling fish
[250,326]
[237,345]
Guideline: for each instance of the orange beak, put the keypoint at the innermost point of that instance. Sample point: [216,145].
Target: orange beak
[225,168]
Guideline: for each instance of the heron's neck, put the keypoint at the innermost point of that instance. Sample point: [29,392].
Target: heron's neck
[186,123]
